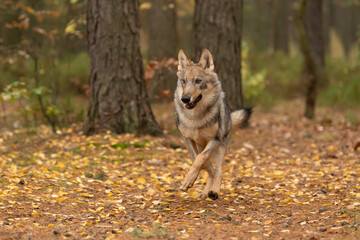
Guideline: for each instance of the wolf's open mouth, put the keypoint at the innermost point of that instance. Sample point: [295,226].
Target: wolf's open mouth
[193,104]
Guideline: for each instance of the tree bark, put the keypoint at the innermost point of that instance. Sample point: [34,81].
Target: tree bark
[309,22]
[118,99]
[163,39]
[218,27]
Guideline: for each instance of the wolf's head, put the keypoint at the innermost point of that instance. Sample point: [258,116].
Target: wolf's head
[196,82]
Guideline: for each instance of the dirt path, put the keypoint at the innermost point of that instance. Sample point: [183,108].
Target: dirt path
[285,177]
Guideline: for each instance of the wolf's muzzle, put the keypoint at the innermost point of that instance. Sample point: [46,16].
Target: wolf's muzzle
[193,104]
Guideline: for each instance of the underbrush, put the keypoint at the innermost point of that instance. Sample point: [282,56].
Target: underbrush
[266,81]
[285,80]
[60,83]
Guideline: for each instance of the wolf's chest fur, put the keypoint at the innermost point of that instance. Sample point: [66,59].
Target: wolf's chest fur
[200,135]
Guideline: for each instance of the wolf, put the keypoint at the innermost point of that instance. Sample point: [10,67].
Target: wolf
[204,119]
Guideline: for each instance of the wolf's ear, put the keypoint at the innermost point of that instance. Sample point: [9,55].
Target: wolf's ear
[182,59]
[206,60]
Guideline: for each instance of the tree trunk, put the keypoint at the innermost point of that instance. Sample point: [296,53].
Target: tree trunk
[312,46]
[218,28]
[118,98]
[346,23]
[163,43]
[163,39]
[282,25]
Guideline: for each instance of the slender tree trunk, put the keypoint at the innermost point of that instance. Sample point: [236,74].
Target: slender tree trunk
[163,43]
[309,21]
[282,25]
[161,21]
[218,27]
[118,98]
[273,21]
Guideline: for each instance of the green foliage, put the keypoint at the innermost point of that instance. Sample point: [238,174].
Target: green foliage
[25,100]
[253,83]
[343,90]
[285,79]
[14,91]
[36,58]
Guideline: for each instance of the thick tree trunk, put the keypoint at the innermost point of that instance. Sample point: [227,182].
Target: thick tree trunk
[118,99]
[312,45]
[161,21]
[218,28]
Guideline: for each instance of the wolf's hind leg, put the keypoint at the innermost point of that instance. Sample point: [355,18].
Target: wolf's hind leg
[214,191]
[210,179]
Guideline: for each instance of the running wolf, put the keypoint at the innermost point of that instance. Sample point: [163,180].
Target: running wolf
[204,119]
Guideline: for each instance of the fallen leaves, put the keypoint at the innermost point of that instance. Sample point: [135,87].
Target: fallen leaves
[115,186]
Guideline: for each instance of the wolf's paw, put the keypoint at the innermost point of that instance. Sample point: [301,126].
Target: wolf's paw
[213,195]
[189,180]
[203,195]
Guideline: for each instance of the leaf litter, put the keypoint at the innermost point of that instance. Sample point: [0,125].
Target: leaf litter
[278,183]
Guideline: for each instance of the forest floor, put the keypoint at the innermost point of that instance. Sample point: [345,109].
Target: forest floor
[284,177]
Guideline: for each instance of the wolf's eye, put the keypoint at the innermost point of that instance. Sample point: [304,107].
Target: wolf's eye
[183,81]
[198,80]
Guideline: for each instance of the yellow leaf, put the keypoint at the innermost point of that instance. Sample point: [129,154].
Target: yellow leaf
[151,191]
[35,214]
[87,224]
[141,180]
[61,199]
[34,205]
[87,195]
[99,209]
[278,172]
[145,5]
[30,10]
[267,234]
[60,165]
[331,148]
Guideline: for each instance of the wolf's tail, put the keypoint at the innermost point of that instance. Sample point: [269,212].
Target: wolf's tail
[240,118]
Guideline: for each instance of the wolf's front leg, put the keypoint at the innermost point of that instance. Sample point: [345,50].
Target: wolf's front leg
[210,179]
[191,147]
[199,162]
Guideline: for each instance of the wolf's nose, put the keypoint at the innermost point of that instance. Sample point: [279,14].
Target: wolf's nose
[185,99]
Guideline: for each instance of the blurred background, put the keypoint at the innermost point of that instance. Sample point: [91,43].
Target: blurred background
[44,63]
